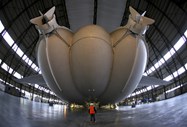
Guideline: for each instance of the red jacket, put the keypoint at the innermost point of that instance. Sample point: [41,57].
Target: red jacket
[92,109]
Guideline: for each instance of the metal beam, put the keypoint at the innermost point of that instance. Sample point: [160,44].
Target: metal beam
[95,12]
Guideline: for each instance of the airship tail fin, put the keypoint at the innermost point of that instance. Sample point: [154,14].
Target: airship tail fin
[137,23]
[140,18]
[45,23]
[134,13]
[147,21]
[48,15]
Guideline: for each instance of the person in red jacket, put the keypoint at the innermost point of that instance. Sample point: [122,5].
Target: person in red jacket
[92,112]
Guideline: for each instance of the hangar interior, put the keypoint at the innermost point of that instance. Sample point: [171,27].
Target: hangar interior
[166,40]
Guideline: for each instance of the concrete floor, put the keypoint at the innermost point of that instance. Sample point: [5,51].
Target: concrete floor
[18,112]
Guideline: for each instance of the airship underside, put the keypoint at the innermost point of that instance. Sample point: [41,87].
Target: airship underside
[92,64]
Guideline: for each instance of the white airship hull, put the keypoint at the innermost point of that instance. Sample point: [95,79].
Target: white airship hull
[91,64]
[92,68]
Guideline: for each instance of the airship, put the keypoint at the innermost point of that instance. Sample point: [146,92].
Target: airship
[92,64]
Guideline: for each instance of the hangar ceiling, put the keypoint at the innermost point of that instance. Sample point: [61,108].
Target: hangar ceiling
[166,37]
